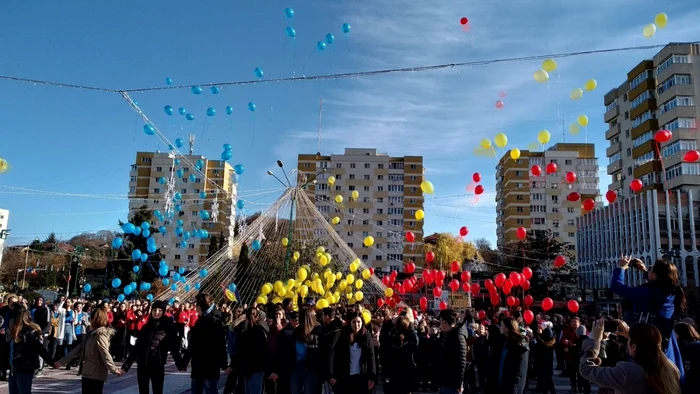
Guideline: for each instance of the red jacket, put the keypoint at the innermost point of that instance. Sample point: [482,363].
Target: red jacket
[182,317]
[141,322]
[193,317]
[110,317]
[131,320]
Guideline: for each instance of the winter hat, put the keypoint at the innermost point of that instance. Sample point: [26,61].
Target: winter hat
[159,305]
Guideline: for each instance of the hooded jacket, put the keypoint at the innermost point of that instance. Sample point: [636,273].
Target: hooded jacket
[207,347]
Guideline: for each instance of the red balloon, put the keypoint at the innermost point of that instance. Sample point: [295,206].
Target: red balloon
[528,300]
[500,279]
[393,274]
[495,300]
[410,237]
[636,185]
[423,302]
[488,283]
[443,305]
[517,301]
[536,170]
[559,261]
[463,231]
[466,287]
[478,189]
[476,177]
[466,276]
[521,232]
[551,168]
[573,196]
[588,204]
[439,282]
[410,267]
[662,136]
[691,156]
[380,302]
[454,285]
[482,315]
[440,275]
[437,292]
[528,316]
[391,303]
[571,177]
[525,284]
[454,266]
[385,280]
[475,288]
[611,196]
[572,305]
[547,304]
[527,272]
[464,20]
[429,257]
[507,286]
[371,271]
[515,278]
[510,301]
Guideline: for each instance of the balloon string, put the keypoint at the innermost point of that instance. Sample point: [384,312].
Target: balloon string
[307,59]
[205,128]
[294,64]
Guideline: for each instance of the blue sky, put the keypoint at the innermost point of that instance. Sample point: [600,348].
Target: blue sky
[67,141]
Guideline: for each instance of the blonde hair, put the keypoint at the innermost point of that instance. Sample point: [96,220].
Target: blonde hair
[23,319]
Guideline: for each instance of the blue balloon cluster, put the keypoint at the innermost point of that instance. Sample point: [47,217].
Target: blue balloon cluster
[227,154]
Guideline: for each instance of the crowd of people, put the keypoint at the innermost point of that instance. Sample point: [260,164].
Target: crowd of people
[352,349]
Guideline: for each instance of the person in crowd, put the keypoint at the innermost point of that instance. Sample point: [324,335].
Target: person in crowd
[583,384]
[67,315]
[81,324]
[656,301]
[233,383]
[689,343]
[157,338]
[251,351]
[120,324]
[452,362]
[207,347]
[182,319]
[353,370]
[41,316]
[648,372]
[510,355]
[276,324]
[400,364]
[332,326]
[571,356]
[543,355]
[299,355]
[95,360]
[26,347]
[285,342]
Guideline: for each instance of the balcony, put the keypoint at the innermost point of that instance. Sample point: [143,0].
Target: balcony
[612,131]
[610,115]
[613,148]
[614,167]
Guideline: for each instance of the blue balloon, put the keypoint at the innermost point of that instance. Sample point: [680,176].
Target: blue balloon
[178,231]
[197,89]
[182,110]
[144,257]
[181,270]
[240,204]
[163,264]
[163,270]
[258,72]
[128,228]
[321,45]
[251,106]
[166,282]
[211,111]
[187,287]
[186,235]
[183,244]
[203,273]
[158,213]
[192,178]
[151,248]
[180,222]
[239,169]
[215,90]
[151,240]
[87,288]
[226,155]
[149,129]
[137,230]
[200,163]
[116,282]
[146,233]
[232,287]
[189,117]
[204,214]
[176,276]
[149,297]
[227,147]
[168,109]
[180,173]
[128,290]
[178,207]
[256,245]
[173,287]
[162,230]
[346,28]
[229,110]
[290,32]
[202,194]
[170,147]
[204,233]
[136,269]
[179,142]
[197,286]
[162,180]
[135,254]
[168,81]
[121,298]
[117,242]
[144,286]
[177,196]
[145,225]
[171,300]
[330,38]
[183,279]
[289,13]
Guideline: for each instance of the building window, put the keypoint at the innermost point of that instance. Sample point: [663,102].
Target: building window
[627,133]
[571,235]
[306,165]
[380,177]
[352,165]
[519,209]
[646,95]
[366,177]
[414,167]
[381,188]
[680,123]
[568,162]
[146,159]
[676,79]
[644,75]
[365,188]
[380,223]
[380,211]
[675,147]
[156,190]
[352,176]
[177,257]
[570,210]
[518,173]
[338,165]
[351,222]
[519,197]
[643,118]
[555,198]
[678,101]
[683,169]
[519,221]
[671,60]
[629,152]
[648,136]
[380,166]
[323,164]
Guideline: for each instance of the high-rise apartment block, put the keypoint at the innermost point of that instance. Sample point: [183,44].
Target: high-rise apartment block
[4,231]
[389,196]
[541,203]
[659,94]
[145,188]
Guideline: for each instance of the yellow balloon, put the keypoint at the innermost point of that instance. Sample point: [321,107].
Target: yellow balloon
[582,120]
[427,187]
[501,140]
[541,76]
[366,274]
[574,129]
[515,153]
[282,292]
[331,180]
[266,289]
[285,241]
[353,267]
[359,296]
[543,137]
[302,274]
[350,278]
[322,260]
[549,65]
[278,286]
[296,256]
[358,284]
[389,292]
[4,165]
[357,261]
[661,20]
[369,241]
[590,85]
[485,143]
[329,257]
[322,303]
[355,194]
[261,300]
[576,94]
[342,285]
[338,275]
[335,220]
[420,214]
[320,249]
[366,316]
[277,300]
[339,199]
[649,30]
[291,283]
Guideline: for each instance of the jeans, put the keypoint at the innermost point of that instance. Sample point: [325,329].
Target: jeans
[304,381]
[254,383]
[205,386]
[448,390]
[20,383]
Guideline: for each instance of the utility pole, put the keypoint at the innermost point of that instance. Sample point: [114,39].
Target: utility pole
[74,261]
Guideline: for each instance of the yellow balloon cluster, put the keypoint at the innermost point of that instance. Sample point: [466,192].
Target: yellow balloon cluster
[541,76]
[427,187]
[576,94]
[515,153]
[420,214]
[501,140]
[543,137]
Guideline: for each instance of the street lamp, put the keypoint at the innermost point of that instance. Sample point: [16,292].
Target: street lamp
[26,260]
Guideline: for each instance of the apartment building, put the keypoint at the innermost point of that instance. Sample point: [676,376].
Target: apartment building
[389,196]
[541,203]
[659,94]
[4,231]
[146,188]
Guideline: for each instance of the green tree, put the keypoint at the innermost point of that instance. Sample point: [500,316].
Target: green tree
[449,248]
[51,242]
[486,251]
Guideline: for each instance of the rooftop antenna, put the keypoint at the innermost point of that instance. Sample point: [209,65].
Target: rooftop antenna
[320,123]
[191,144]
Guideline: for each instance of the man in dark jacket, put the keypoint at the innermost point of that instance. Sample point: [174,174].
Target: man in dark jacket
[41,316]
[332,327]
[453,355]
[206,348]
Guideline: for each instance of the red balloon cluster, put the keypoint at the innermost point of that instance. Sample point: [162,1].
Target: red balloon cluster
[521,232]
[463,231]
[570,177]
[551,168]
[636,185]
[589,204]
[611,196]
[410,237]
[662,136]
[691,156]
[536,170]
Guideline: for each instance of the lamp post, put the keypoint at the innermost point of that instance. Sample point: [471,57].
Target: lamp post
[26,260]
